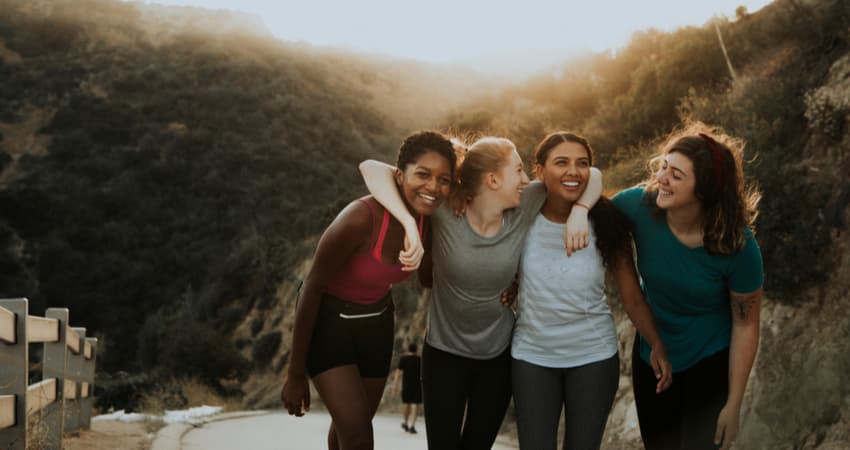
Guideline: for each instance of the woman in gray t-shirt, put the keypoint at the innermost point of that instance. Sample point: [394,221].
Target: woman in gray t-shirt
[474,257]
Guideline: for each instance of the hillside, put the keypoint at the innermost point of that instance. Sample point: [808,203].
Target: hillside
[159,179]
[789,101]
[167,183]
[624,101]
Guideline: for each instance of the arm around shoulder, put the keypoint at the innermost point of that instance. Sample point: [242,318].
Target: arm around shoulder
[380,180]
[577,231]
[594,189]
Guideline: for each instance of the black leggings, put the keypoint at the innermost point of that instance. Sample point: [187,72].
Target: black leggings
[452,384]
[684,417]
[585,392]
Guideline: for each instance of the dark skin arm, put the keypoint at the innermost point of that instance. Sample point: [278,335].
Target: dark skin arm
[625,275]
[349,233]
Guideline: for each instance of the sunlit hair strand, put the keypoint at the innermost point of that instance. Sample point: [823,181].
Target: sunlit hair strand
[729,205]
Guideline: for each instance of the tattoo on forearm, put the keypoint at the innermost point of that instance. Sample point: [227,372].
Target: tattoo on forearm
[743,304]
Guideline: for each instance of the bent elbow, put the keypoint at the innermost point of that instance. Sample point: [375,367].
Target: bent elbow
[365,165]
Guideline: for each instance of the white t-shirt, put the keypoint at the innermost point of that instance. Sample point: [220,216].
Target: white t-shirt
[563,317]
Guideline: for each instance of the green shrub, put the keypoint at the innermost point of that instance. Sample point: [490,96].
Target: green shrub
[827,113]
[765,113]
[5,158]
[265,348]
[193,349]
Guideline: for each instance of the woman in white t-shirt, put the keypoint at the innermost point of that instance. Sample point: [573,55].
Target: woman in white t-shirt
[564,349]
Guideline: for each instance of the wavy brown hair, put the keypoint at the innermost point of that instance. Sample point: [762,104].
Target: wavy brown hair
[729,205]
[613,230]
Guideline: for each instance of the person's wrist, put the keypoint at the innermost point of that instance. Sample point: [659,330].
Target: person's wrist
[410,223]
[295,371]
[582,205]
[733,404]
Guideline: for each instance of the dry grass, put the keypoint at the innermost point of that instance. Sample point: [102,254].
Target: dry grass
[36,437]
[111,435]
[38,428]
[103,435]
[185,393]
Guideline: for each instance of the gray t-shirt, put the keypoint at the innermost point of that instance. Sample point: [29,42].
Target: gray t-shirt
[466,316]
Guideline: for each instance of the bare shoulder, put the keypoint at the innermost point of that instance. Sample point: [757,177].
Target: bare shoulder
[355,217]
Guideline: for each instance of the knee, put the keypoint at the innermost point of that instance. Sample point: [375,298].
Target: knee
[355,436]
[360,441]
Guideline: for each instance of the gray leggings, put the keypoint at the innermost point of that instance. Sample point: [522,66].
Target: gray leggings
[586,392]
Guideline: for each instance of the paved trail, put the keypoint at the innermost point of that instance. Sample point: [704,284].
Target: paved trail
[279,431]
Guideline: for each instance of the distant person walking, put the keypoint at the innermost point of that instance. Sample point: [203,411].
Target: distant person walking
[466,363]
[702,274]
[409,372]
[344,324]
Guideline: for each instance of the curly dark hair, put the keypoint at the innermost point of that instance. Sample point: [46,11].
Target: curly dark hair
[613,229]
[425,141]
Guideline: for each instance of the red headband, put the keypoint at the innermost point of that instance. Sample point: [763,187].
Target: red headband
[717,156]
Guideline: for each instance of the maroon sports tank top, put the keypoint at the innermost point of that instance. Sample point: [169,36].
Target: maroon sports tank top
[366,278]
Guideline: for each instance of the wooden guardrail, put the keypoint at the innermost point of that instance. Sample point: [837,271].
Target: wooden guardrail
[62,402]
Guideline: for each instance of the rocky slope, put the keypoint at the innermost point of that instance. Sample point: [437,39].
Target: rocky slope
[799,395]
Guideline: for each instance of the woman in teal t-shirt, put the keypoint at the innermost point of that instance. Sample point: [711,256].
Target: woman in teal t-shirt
[701,270]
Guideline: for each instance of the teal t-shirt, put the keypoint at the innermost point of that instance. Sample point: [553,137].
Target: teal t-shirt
[687,288]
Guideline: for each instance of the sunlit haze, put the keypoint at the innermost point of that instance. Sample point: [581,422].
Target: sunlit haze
[474,30]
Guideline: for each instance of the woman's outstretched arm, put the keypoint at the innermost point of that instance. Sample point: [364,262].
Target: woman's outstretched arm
[350,230]
[746,311]
[380,180]
[625,275]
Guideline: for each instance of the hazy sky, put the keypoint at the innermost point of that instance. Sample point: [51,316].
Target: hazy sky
[450,30]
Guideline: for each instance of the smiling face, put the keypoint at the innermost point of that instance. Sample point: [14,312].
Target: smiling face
[565,171]
[425,183]
[513,180]
[676,182]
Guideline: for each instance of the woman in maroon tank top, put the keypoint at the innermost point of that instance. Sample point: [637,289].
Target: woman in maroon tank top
[343,333]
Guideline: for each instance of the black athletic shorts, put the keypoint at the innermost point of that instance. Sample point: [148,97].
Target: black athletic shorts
[411,393]
[350,333]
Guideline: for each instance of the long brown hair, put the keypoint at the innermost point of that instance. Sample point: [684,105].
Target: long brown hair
[729,205]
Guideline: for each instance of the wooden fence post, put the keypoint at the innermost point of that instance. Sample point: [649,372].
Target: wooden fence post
[54,366]
[14,376]
[73,373]
[87,399]
[63,398]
